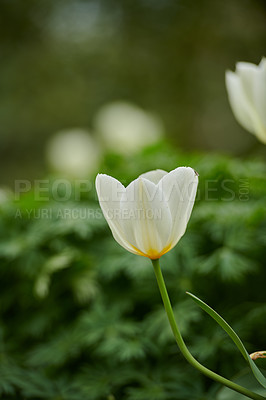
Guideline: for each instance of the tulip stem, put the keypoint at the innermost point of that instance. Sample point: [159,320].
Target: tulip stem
[182,346]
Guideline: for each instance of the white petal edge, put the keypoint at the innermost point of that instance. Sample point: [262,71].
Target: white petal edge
[247,72]
[179,188]
[253,79]
[109,191]
[239,102]
[154,176]
[260,94]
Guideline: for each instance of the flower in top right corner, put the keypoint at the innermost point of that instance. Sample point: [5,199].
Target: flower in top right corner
[246,89]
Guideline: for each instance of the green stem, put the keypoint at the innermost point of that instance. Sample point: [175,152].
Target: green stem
[182,346]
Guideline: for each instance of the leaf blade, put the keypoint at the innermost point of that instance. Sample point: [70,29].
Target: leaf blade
[236,339]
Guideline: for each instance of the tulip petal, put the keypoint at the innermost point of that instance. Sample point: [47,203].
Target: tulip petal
[109,192]
[253,80]
[148,223]
[239,102]
[247,74]
[154,176]
[260,93]
[179,188]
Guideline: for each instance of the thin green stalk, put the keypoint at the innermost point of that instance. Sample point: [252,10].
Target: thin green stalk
[182,346]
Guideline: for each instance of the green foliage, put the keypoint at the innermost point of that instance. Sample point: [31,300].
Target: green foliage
[80,318]
[245,379]
[227,328]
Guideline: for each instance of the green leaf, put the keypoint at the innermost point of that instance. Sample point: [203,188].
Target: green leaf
[244,378]
[258,375]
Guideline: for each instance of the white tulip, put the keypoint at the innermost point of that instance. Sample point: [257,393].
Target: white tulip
[247,95]
[5,195]
[126,129]
[150,215]
[73,153]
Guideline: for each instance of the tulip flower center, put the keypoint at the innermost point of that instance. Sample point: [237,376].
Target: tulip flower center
[152,253]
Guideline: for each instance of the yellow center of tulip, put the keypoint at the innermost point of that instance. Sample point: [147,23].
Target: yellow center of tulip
[153,254]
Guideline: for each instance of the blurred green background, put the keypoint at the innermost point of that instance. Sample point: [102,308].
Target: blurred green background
[80,318]
[62,60]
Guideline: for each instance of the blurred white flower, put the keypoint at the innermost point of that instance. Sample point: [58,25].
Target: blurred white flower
[150,215]
[5,194]
[247,95]
[73,153]
[126,128]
